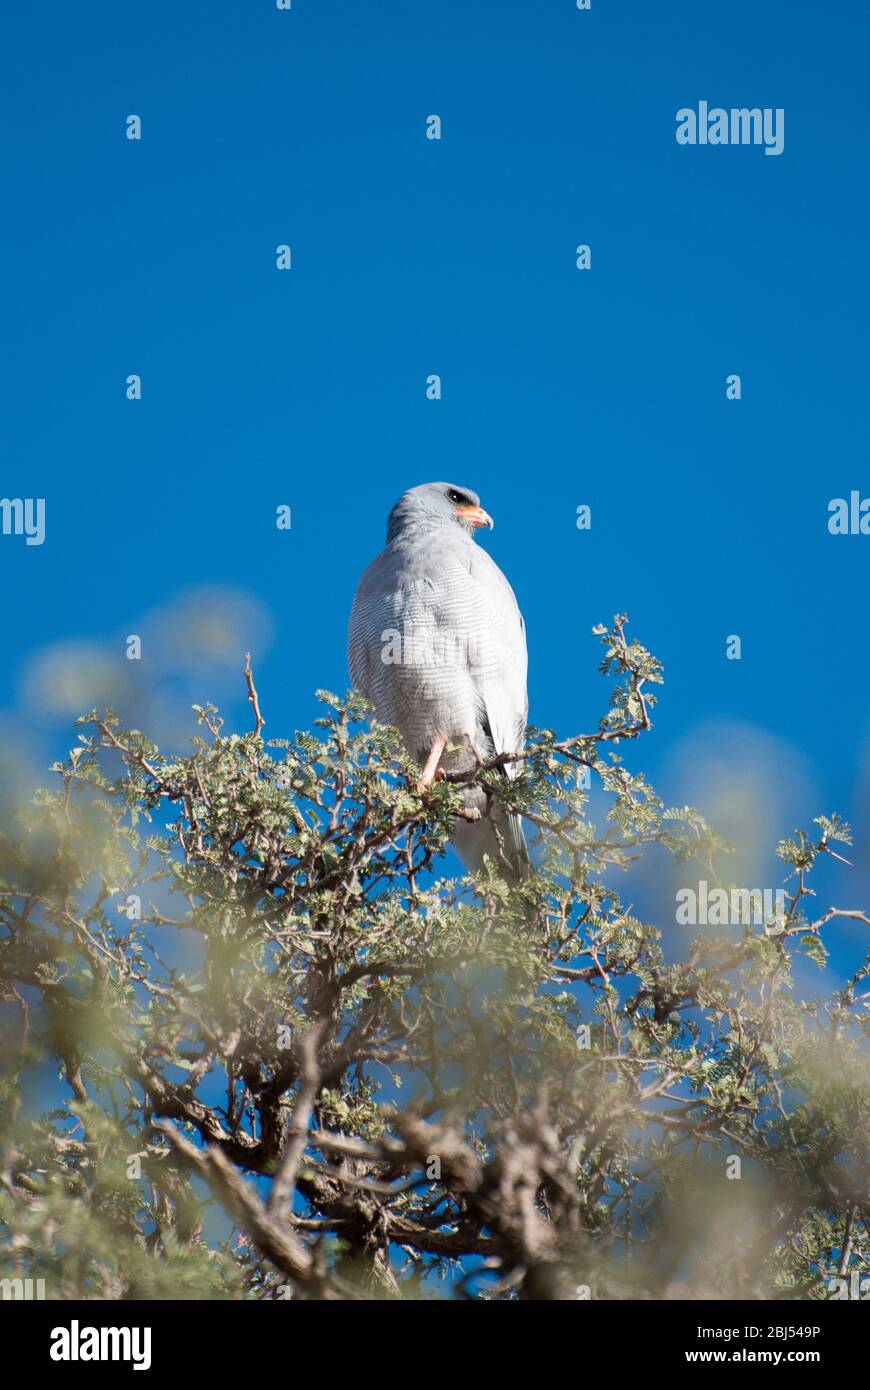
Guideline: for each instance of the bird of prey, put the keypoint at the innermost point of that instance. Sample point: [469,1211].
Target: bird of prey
[437,644]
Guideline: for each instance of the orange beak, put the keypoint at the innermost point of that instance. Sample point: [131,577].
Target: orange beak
[476,516]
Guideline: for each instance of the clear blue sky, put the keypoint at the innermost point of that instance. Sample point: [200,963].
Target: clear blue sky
[411,257]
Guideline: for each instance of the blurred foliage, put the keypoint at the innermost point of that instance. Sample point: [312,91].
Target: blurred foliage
[294,1061]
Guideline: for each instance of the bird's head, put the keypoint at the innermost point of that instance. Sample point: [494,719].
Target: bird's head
[437,504]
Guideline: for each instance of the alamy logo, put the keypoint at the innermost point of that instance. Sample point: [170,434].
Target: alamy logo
[76,1343]
[428,646]
[853,1287]
[22,1288]
[849,518]
[24,517]
[740,126]
[721,907]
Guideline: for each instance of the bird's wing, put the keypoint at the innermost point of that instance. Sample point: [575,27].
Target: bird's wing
[500,676]
[376,604]
[497,670]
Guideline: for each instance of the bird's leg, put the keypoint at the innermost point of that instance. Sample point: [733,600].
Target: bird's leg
[481,763]
[476,753]
[430,767]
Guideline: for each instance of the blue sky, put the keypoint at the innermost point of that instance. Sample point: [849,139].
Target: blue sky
[411,256]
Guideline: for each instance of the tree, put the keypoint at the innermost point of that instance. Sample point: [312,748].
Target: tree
[294,1061]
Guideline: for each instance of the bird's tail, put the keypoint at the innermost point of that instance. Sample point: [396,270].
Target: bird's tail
[498,834]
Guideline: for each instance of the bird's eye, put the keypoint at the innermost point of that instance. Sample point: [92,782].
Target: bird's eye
[454,496]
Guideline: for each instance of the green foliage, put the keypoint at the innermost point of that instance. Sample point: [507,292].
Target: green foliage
[294,1059]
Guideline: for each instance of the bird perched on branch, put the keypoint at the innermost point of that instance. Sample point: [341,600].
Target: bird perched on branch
[438,645]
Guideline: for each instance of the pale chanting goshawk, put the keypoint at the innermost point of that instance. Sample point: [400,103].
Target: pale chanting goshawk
[437,644]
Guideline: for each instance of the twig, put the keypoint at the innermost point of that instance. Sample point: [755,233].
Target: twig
[252,693]
[297,1131]
[278,1244]
[846,1252]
